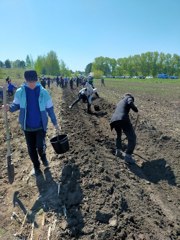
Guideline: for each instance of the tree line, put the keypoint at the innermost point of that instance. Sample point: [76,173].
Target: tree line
[44,65]
[145,64]
[50,65]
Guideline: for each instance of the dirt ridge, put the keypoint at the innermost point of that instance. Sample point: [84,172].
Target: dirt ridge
[100,197]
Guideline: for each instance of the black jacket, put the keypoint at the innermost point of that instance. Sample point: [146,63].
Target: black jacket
[122,109]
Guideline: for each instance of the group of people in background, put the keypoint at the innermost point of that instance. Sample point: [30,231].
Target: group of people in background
[62,82]
[33,115]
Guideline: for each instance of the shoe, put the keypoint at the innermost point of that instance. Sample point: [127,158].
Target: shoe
[45,163]
[128,158]
[70,107]
[36,172]
[118,153]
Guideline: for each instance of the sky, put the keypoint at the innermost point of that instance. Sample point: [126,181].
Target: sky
[78,31]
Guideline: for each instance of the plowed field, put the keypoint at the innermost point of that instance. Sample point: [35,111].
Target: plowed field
[88,193]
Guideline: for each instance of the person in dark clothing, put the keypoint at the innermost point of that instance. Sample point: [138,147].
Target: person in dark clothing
[71,83]
[120,122]
[11,88]
[7,79]
[57,81]
[102,82]
[43,82]
[48,82]
[1,93]
[33,117]
[81,95]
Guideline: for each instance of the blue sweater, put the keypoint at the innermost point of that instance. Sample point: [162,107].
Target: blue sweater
[45,106]
[11,87]
[33,119]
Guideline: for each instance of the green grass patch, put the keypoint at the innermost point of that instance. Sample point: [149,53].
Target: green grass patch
[13,73]
[167,88]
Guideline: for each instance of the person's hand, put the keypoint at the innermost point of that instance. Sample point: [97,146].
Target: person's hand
[6,108]
[57,129]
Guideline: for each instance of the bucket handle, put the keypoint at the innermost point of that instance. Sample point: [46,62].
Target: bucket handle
[61,140]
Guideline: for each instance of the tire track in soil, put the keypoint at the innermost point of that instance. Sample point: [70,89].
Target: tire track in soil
[113,193]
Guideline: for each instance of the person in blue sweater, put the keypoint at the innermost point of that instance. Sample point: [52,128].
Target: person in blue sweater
[34,104]
[11,88]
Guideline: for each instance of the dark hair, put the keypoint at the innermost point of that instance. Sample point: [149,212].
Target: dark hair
[30,75]
[130,95]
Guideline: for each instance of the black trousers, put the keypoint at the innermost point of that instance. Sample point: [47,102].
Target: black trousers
[127,128]
[80,96]
[36,146]
[84,99]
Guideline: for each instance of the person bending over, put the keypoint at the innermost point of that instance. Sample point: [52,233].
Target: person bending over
[120,121]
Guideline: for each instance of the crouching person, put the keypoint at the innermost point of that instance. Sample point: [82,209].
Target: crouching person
[85,94]
[120,121]
[35,104]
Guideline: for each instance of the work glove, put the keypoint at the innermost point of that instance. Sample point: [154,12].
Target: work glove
[57,129]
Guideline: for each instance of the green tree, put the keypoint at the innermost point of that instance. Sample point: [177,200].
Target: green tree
[168,64]
[98,73]
[103,65]
[29,62]
[154,67]
[48,65]
[64,71]
[122,66]
[1,64]
[40,64]
[22,64]
[112,64]
[52,64]
[88,68]
[7,63]
[16,63]
[176,64]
